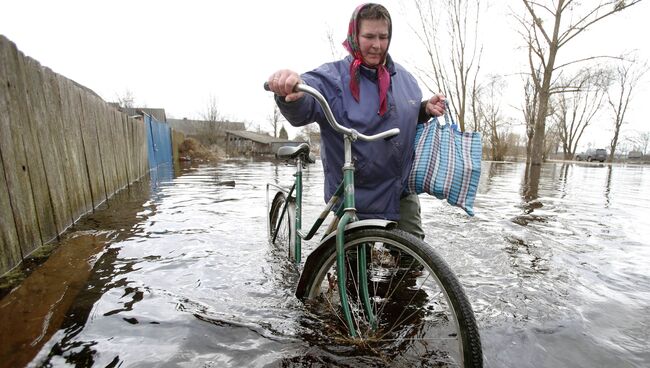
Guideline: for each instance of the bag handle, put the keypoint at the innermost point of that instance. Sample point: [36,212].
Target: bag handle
[449,119]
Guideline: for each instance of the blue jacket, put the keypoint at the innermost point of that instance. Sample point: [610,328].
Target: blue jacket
[381,167]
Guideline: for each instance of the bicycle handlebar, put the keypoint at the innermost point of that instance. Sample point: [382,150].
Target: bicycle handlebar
[301,87]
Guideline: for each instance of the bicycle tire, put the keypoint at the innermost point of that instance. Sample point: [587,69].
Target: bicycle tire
[441,313]
[285,238]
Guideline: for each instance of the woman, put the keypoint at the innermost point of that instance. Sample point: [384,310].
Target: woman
[370,93]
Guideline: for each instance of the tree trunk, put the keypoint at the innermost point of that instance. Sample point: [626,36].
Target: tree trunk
[537,149]
[612,147]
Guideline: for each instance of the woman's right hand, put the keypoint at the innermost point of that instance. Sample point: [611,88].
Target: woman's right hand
[283,82]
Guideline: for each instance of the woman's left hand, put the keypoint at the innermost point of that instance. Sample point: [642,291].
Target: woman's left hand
[436,105]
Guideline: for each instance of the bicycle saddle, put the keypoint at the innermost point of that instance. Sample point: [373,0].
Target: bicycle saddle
[292,152]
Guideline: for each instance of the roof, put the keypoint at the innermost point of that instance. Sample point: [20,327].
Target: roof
[228,125]
[158,114]
[257,137]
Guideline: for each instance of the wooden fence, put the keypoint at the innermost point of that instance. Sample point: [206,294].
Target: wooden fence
[63,151]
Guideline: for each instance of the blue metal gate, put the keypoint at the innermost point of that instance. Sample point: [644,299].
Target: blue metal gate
[159,142]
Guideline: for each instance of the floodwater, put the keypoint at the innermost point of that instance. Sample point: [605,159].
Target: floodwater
[555,264]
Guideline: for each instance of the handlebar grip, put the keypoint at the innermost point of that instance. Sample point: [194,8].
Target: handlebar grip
[267,88]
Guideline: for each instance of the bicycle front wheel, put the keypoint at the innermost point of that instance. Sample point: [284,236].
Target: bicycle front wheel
[414,310]
[282,213]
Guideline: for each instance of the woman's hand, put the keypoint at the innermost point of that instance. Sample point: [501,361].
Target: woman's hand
[436,105]
[283,82]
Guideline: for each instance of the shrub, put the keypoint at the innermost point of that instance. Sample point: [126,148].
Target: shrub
[193,150]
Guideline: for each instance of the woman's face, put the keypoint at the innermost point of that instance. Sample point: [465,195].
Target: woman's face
[373,40]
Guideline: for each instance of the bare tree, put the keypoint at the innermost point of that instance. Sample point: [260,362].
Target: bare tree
[127,100]
[475,124]
[307,131]
[625,78]
[310,133]
[552,140]
[513,143]
[456,75]
[546,32]
[336,49]
[212,114]
[495,127]
[248,124]
[576,108]
[530,111]
[275,120]
[643,141]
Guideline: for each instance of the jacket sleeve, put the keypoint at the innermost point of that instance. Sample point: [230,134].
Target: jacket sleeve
[298,113]
[423,115]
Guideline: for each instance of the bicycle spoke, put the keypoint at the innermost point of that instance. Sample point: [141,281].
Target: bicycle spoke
[398,322]
[379,313]
[357,319]
[329,301]
[375,284]
[388,297]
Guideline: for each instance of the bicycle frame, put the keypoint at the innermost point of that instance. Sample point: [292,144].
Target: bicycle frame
[346,213]
[297,198]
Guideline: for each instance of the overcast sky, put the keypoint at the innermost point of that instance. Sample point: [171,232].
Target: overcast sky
[177,54]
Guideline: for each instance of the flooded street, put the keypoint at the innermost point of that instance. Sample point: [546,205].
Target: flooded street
[555,264]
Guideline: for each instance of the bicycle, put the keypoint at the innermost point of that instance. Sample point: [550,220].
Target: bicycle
[374,283]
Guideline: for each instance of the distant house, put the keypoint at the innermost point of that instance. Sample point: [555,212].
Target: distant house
[207,132]
[242,142]
[635,155]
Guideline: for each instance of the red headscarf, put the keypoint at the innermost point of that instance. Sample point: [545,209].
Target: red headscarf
[352,45]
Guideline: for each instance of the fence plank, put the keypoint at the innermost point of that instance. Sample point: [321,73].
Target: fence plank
[106,147]
[140,136]
[75,166]
[9,250]
[9,245]
[63,175]
[128,139]
[144,142]
[119,144]
[90,142]
[29,73]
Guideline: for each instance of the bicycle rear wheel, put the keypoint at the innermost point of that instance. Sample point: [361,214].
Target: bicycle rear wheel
[421,313]
[282,223]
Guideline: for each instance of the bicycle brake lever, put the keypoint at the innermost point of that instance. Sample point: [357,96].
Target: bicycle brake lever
[389,138]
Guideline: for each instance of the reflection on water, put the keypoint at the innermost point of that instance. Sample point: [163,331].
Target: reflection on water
[554,263]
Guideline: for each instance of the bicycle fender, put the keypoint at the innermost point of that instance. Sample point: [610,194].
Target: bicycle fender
[372,223]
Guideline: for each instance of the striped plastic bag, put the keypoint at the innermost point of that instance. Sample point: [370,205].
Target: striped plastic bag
[447,163]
